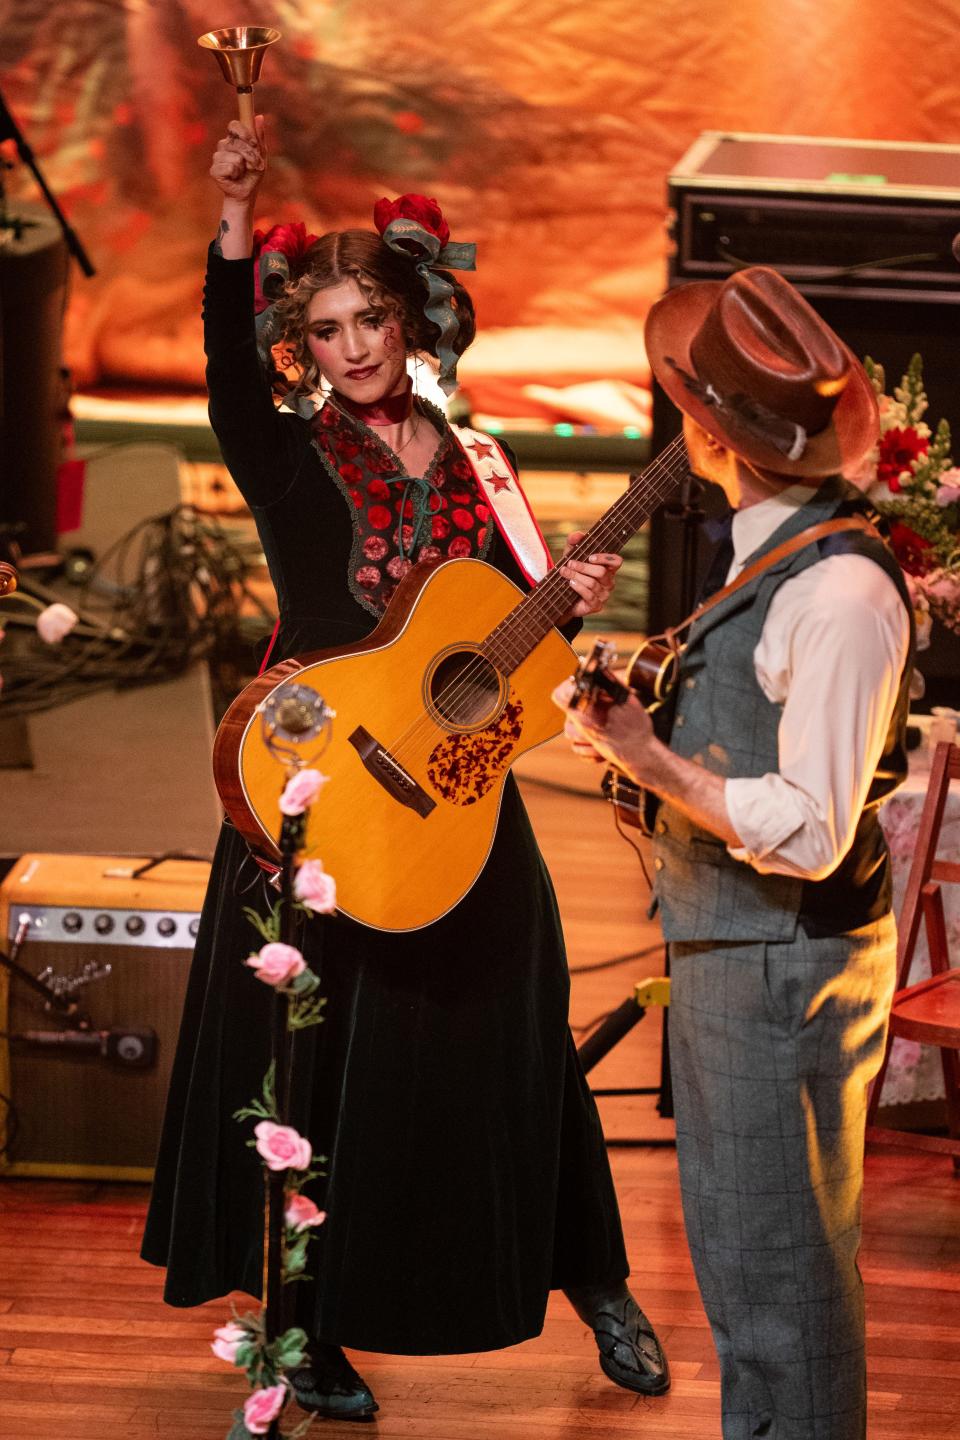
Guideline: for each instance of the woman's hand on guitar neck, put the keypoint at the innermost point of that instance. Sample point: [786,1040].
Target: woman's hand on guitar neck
[239,164]
[593,579]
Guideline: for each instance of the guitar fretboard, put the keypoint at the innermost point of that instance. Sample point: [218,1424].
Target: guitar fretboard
[551,599]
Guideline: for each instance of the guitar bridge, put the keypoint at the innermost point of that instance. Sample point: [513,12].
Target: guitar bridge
[390,773]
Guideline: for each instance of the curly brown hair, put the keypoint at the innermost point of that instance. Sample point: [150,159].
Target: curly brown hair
[388,280]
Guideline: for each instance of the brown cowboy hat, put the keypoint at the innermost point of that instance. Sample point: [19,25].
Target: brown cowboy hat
[752,363]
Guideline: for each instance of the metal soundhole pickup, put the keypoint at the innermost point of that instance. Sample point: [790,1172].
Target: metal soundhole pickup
[390,773]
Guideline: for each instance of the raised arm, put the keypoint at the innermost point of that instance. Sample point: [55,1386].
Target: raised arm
[260,447]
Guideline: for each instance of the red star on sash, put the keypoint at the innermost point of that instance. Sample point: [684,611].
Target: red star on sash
[499,482]
[482,452]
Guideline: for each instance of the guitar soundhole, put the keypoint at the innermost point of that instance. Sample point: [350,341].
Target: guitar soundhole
[465,691]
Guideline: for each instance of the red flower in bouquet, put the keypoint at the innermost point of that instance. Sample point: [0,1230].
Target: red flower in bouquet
[424,211]
[290,240]
[914,554]
[898,450]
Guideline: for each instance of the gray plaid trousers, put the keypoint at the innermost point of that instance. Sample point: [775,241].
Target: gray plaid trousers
[772,1047]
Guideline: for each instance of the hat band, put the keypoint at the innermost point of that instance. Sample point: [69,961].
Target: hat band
[786,436]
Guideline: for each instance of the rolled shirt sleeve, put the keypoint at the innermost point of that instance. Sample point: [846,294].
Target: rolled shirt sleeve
[832,652]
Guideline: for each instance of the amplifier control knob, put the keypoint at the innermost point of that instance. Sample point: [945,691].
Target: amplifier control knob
[194,925]
[72,922]
[166,926]
[103,924]
[136,925]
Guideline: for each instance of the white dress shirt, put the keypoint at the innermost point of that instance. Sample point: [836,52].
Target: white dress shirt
[831,652]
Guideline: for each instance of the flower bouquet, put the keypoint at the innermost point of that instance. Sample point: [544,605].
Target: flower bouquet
[912,480]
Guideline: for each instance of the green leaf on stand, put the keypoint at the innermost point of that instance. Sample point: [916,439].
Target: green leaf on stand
[302,1013]
[303,984]
[291,1348]
[268,926]
[295,1258]
[238,1430]
[245,1354]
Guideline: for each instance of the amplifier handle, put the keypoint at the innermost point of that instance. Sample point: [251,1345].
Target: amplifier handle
[118,872]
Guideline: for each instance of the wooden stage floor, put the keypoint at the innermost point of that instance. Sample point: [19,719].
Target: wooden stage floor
[88,1351]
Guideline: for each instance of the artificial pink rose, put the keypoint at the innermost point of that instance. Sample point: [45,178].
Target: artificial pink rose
[948,494]
[281,1147]
[263,1407]
[301,790]
[54,622]
[227,1341]
[301,1213]
[425,211]
[277,963]
[314,888]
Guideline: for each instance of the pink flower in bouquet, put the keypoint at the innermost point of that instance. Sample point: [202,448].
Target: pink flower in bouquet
[301,790]
[263,1407]
[281,1147]
[55,622]
[277,963]
[302,1214]
[898,450]
[948,491]
[314,888]
[227,1341]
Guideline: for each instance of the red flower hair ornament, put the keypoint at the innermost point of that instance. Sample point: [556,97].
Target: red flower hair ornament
[413,225]
[277,254]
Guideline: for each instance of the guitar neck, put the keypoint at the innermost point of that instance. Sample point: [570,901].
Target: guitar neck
[552,598]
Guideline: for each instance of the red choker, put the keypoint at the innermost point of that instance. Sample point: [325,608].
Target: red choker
[391,410]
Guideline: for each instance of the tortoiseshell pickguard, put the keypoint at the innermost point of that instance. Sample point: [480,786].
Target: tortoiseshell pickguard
[463,767]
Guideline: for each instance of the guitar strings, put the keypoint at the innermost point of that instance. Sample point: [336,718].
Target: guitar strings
[539,601]
[626,516]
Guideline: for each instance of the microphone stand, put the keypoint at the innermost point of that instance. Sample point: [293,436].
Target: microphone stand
[10,130]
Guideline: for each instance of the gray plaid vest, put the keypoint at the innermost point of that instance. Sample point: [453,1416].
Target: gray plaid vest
[724,721]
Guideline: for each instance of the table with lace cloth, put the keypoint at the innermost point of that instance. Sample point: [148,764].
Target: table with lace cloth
[915,1073]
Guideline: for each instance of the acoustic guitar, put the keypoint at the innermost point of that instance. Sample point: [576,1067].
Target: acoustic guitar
[429,713]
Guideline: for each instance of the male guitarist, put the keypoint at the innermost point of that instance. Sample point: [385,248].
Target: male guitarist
[771,868]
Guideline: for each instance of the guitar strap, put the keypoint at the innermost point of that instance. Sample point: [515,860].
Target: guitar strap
[766,562]
[509,506]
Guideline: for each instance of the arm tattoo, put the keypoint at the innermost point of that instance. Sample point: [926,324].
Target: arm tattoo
[221,231]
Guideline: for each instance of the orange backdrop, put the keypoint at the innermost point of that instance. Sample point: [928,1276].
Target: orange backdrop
[546,128]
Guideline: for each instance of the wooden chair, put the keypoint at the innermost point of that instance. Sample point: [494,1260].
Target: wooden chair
[928,1012]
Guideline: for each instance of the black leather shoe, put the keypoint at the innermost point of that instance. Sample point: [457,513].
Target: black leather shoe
[328,1385]
[630,1353]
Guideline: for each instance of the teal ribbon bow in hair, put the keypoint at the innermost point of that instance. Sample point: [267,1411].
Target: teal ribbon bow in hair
[419,489]
[410,238]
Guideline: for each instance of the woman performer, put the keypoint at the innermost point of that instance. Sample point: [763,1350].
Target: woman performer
[467,1169]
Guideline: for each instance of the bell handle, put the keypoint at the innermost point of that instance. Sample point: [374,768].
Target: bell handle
[246,106]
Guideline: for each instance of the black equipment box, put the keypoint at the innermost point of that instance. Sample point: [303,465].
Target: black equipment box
[871,219]
[864,229]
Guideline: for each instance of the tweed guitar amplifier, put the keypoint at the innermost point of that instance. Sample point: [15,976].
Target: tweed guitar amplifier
[90,1105]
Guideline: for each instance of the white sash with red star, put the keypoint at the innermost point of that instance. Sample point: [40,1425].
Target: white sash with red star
[509,506]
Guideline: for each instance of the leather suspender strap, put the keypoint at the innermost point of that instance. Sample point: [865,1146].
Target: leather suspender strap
[766,562]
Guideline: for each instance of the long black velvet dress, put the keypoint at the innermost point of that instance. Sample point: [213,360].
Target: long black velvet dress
[467,1169]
